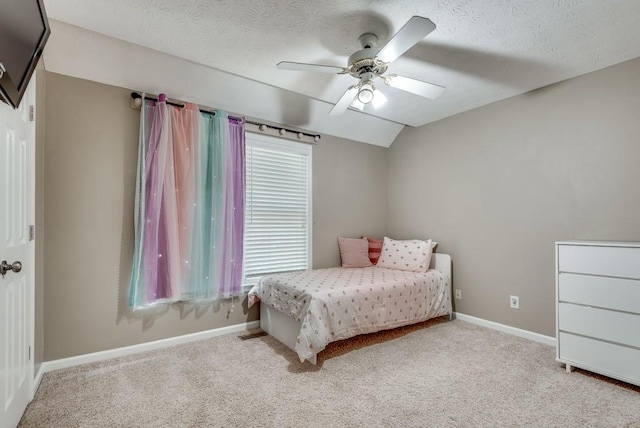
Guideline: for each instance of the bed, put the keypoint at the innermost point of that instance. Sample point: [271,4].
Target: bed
[309,309]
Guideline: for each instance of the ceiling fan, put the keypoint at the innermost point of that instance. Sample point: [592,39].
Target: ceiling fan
[371,63]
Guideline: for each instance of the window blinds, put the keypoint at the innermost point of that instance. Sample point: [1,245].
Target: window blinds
[277,215]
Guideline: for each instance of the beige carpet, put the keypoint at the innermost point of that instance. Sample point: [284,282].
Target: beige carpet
[436,374]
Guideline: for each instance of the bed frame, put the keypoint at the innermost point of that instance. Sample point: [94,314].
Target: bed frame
[286,329]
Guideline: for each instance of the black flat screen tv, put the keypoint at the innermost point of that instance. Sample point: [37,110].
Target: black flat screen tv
[24,30]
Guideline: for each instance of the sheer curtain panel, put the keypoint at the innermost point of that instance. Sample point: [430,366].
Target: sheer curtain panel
[189,207]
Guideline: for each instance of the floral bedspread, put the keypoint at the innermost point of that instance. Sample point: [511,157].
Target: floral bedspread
[339,303]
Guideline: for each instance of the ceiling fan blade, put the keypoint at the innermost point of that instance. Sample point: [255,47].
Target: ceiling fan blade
[299,66]
[411,33]
[418,87]
[344,101]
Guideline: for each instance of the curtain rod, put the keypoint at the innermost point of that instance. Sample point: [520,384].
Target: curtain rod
[262,127]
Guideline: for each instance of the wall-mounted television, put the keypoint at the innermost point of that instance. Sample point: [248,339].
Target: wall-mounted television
[24,30]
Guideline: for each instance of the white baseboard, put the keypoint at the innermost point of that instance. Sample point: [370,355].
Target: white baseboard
[37,380]
[536,337]
[142,347]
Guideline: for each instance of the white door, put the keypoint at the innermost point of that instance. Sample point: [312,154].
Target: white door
[17,196]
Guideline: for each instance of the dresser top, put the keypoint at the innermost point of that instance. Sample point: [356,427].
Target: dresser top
[629,244]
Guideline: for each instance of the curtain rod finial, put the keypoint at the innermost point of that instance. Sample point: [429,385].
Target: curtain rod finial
[136,102]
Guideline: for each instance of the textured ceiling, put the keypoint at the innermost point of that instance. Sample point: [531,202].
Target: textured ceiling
[482,50]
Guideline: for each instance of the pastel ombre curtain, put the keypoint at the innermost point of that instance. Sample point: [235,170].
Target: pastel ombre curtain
[189,208]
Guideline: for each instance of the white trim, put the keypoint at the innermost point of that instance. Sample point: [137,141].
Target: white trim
[536,337]
[144,347]
[37,380]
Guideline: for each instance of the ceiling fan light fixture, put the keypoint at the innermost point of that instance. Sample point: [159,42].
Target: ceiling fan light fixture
[365,94]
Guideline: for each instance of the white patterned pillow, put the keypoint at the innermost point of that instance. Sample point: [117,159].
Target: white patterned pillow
[413,255]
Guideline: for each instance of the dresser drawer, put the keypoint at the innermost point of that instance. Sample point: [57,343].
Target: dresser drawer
[619,327]
[623,262]
[604,292]
[601,357]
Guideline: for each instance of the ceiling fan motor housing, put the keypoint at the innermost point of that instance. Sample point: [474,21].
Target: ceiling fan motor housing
[365,61]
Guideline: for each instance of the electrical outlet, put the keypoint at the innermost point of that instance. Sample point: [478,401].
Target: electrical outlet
[514,302]
[458,294]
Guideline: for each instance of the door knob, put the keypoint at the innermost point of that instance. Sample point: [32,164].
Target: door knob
[6,267]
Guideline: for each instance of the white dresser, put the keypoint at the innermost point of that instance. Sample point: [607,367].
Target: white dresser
[598,307]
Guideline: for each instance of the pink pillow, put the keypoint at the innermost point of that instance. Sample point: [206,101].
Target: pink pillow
[354,252]
[375,248]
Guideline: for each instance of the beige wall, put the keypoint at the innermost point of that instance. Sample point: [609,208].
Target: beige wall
[349,195]
[499,184]
[89,175]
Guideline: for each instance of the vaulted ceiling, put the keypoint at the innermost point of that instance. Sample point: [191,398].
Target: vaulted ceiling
[482,51]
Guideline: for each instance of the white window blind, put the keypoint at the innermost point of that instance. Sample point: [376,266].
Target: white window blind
[277,236]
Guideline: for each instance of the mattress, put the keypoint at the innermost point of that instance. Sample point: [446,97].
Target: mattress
[339,303]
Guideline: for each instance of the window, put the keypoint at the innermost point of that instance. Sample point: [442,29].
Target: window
[277,234]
